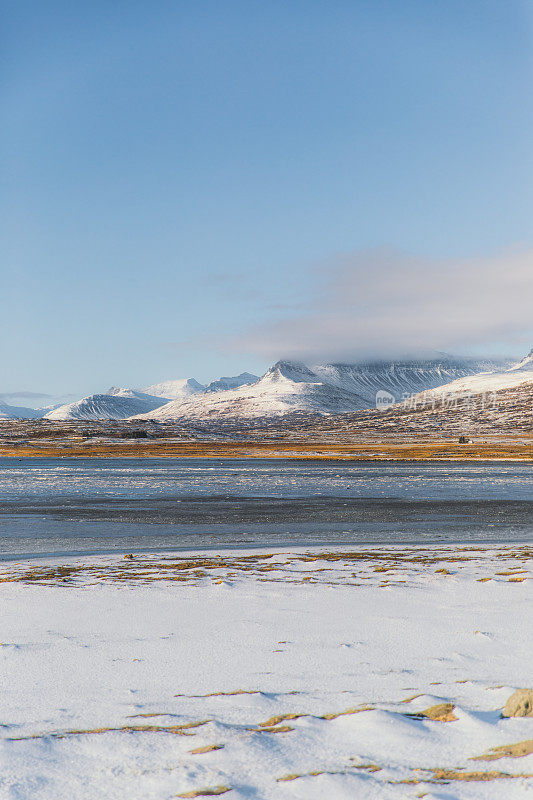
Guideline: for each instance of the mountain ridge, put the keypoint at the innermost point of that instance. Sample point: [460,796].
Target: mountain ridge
[174,389]
[231,382]
[328,389]
[117,403]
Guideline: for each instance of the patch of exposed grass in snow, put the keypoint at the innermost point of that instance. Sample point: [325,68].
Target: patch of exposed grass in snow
[398,568]
[516,750]
[178,730]
[206,792]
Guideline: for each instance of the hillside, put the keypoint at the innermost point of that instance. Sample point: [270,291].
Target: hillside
[483,383]
[117,403]
[18,412]
[399,378]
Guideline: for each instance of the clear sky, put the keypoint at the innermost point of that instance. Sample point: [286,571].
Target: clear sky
[184,181]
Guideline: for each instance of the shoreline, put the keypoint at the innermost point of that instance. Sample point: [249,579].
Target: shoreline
[224,552]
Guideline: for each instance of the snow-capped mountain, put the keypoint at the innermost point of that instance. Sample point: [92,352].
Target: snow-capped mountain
[176,389]
[233,382]
[286,387]
[399,378]
[117,403]
[487,382]
[18,412]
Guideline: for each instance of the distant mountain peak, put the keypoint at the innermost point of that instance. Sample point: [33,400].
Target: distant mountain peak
[292,371]
[231,382]
[175,389]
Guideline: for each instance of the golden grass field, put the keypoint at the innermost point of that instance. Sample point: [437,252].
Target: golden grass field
[517,449]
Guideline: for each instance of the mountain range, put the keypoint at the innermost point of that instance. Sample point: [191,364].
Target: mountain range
[331,389]
[287,387]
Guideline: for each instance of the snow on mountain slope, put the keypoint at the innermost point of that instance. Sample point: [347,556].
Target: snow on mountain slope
[289,387]
[483,383]
[286,387]
[224,383]
[117,403]
[174,390]
[18,412]
[400,378]
[525,364]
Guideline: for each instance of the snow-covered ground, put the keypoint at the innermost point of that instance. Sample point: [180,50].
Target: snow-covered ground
[259,674]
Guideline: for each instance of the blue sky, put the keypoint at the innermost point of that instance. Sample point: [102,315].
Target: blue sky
[182,178]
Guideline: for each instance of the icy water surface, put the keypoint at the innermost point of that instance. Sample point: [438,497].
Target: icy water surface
[102,505]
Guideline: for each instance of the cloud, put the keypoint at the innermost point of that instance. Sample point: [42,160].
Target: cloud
[384,302]
[25,396]
[35,399]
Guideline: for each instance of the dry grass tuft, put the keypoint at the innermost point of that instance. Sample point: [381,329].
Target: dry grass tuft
[272,729]
[177,730]
[513,571]
[445,775]
[292,776]
[208,748]
[443,712]
[269,723]
[442,776]
[357,710]
[206,792]
[221,694]
[367,767]
[517,750]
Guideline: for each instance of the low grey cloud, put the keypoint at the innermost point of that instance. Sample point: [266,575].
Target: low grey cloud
[35,399]
[23,395]
[384,302]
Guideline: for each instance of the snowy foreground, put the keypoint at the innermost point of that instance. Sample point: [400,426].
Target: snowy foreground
[299,674]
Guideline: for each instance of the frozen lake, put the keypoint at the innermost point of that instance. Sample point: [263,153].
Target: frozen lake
[106,505]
